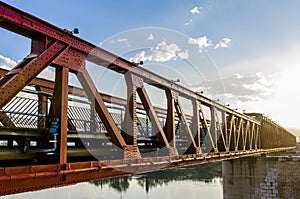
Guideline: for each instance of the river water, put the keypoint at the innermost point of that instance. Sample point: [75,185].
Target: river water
[253,177]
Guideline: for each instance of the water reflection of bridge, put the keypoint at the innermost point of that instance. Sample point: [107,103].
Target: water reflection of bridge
[251,177]
[204,173]
[55,134]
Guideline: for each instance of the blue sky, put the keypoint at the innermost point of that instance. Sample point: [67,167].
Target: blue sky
[253,44]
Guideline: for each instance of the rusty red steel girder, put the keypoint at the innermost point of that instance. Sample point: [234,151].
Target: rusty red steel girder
[239,134]
[80,50]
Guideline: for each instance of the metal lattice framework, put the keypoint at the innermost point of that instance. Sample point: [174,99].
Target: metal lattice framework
[171,137]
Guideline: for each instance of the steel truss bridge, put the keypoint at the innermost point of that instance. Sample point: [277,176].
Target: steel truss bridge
[54,134]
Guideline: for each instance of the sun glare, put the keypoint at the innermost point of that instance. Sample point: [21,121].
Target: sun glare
[285,103]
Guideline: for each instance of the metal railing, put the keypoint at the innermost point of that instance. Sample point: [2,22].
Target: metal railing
[22,112]
[28,111]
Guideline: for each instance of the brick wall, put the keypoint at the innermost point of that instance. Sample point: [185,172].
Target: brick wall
[258,177]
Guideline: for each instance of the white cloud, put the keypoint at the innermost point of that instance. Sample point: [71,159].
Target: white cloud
[201,42]
[183,54]
[204,42]
[238,76]
[163,52]
[7,63]
[195,10]
[189,22]
[151,37]
[224,43]
[241,88]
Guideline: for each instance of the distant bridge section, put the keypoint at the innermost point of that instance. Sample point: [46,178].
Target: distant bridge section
[272,134]
[54,134]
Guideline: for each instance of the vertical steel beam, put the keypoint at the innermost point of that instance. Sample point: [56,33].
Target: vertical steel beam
[130,121]
[129,125]
[257,137]
[59,110]
[225,131]
[195,124]
[232,133]
[247,136]
[239,132]
[213,128]
[170,120]
[42,109]
[63,76]
[39,44]
[235,135]
[252,144]
[93,126]
[242,136]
